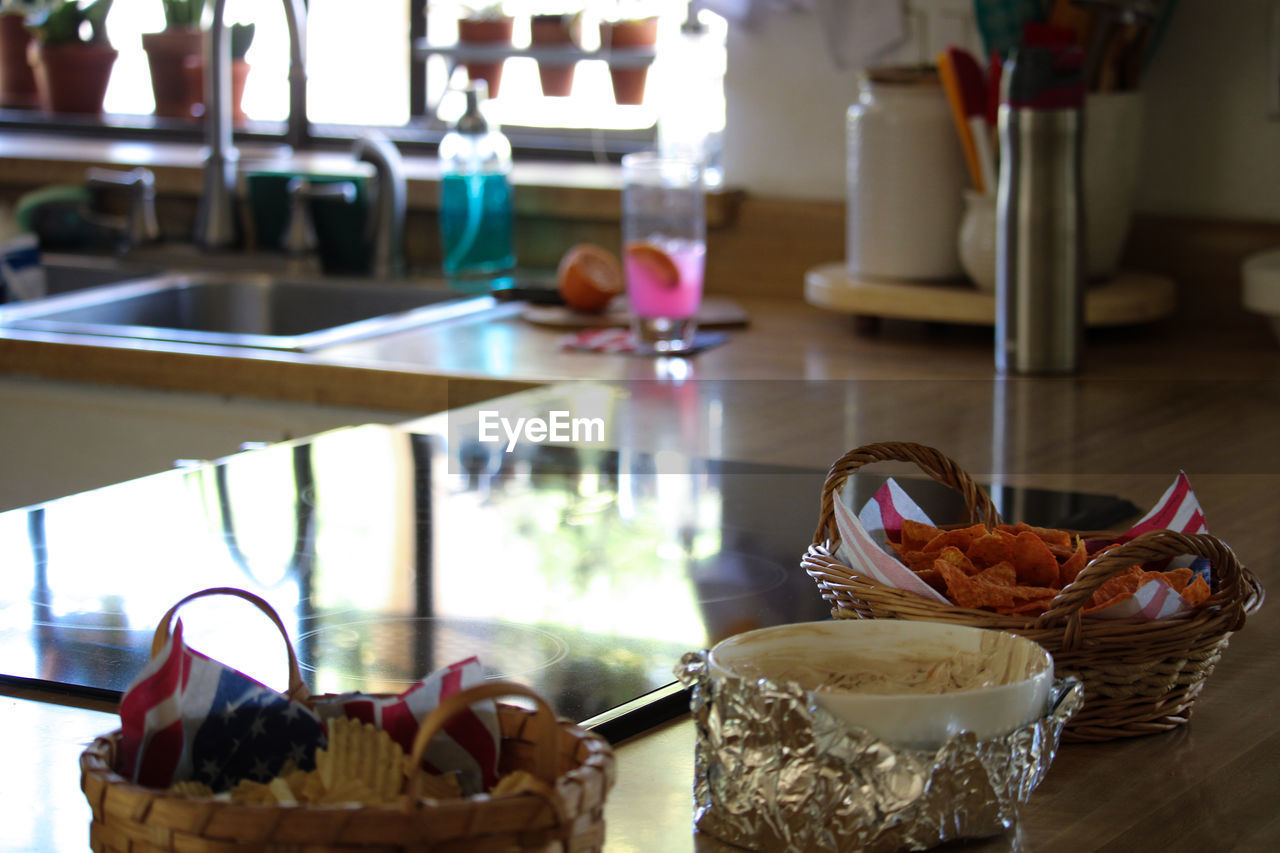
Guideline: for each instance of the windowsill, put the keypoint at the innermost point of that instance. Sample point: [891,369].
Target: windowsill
[563,190]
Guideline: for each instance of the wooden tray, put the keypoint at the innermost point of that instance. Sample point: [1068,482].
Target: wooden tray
[1129,297]
[716,311]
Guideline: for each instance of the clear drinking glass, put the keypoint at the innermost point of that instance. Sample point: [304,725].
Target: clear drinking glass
[664,247]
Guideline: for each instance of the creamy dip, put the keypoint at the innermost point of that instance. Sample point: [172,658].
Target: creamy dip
[899,674]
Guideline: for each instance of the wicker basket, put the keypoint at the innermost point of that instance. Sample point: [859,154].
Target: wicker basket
[1139,678]
[565,816]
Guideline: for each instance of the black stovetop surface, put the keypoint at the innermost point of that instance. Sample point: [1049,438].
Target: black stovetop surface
[585,574]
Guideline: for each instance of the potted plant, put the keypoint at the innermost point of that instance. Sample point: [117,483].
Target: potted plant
[241,38]
[17,83]
[168,51]
[71,56]
[557,31]
[627,38]
[487,24]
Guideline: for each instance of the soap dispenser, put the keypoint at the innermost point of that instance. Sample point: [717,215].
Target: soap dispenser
[475,194]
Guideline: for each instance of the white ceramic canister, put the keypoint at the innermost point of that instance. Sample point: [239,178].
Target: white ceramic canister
[906,176]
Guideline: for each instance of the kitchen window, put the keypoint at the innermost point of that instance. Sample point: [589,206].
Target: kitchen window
[394,64]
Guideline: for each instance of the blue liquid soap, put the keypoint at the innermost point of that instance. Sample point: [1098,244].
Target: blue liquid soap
[475,199]
[476,224]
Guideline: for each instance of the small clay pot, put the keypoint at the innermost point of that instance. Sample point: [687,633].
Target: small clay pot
[17,82]
[193,75]
[71,78]
[554,31]
[628,78]
[485,31]
[167,55]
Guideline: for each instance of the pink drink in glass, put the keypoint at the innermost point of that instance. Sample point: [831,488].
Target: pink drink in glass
[651,288]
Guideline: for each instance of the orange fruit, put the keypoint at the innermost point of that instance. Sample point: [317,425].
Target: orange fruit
[589,277]
[656,262]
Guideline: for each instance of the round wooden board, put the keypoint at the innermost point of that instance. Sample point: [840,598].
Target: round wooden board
[716,311]
[1129,297]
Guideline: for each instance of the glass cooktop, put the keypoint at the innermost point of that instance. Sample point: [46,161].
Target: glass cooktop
[585,574]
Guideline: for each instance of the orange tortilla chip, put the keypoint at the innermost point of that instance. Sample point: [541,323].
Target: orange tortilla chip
[1121,584]
[968,591]
[1001,574]
[1074,564]
[933,579]
[1102,605]
[957,558]
[960,538]
[995,547]
[1036,565]
[918,561]
[1048,535]
[916,535]
[1197,592]
[1032,608]
[1178,578]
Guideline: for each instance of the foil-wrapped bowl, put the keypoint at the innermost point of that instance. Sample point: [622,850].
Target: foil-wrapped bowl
[776,772]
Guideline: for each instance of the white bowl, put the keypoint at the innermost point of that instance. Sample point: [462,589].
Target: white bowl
[1006,686]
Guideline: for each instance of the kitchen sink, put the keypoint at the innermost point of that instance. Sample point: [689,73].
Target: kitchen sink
[243,309]
[65,273]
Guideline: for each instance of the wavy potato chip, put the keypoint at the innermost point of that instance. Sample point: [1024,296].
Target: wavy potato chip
[190,788]
[358,754]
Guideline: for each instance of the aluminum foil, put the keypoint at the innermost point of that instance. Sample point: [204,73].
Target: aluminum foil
[775,772]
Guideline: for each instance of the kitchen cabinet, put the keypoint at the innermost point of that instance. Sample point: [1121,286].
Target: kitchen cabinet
[59,438]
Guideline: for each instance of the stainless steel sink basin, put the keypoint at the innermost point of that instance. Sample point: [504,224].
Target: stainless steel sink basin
[243,310]
[65,273]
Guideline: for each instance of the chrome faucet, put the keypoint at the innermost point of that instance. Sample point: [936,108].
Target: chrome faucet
[384,234]
[141,225]
[215,218]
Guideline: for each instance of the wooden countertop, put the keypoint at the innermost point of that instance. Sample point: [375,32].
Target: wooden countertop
[1210,785]
[799,386]
[464,360]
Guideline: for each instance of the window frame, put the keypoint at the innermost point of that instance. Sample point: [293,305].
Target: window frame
[420,135]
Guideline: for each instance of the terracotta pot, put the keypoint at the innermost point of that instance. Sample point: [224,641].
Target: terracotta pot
[485,31]
[628,78]
[71,78]
[193,74]
[554,31]
[167,55]
[17,82]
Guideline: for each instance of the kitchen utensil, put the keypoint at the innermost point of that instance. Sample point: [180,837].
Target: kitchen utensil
[1118,40]
[964,132]
[995,74]
[1000,22]
[971,83]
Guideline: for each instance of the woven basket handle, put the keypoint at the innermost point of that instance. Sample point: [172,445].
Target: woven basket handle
[545,729]
[297,689]
[1235,585]
[932,462]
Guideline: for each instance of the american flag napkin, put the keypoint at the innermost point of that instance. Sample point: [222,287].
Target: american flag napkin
[863,545]
[186,716]
[468,743]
